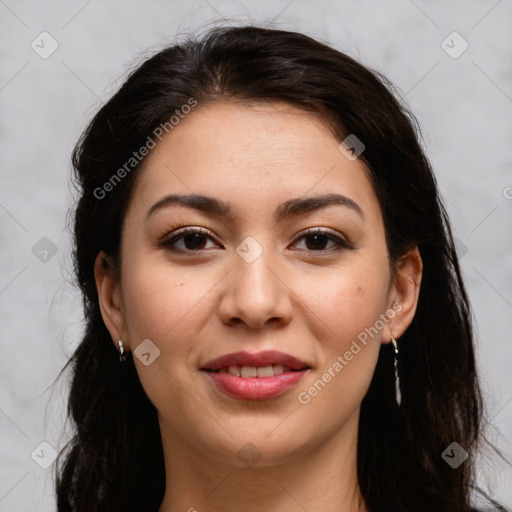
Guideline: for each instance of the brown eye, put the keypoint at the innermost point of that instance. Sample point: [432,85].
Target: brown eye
[317,239]
[194,240]
[191,239]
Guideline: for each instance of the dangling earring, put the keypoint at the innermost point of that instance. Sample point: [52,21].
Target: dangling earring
[398,394]
[123,357]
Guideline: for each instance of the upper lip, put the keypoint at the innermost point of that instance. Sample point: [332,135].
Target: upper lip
[257,359]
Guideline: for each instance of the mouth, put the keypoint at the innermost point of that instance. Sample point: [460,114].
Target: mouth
[266,359]
[261,372]
[257,376]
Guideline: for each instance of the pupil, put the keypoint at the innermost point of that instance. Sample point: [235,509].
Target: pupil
[196,241]
[322,238]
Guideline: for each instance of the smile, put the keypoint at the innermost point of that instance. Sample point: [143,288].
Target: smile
[256,376]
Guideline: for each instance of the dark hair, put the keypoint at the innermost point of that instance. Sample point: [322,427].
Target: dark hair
[116,450]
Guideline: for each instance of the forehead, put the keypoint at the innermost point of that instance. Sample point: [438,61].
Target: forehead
[249,156]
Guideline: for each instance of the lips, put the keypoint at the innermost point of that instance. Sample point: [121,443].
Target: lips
[260,376]
[257,360]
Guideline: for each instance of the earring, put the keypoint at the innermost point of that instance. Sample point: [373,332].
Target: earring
[122,356]
[398,394]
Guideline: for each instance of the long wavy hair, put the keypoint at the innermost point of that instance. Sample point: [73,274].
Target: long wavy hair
[114,460]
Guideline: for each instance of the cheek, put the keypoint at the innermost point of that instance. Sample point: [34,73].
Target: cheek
[351,306]
[359,302]
[164,306]
[158,299]
[350,303]
[348,300]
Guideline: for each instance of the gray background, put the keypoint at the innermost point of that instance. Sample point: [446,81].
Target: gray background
[464,106]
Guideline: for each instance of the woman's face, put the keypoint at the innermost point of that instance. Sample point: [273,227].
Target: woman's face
[253,281]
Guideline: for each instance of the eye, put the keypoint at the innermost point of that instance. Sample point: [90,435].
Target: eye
[319,237]
[195,239]
[192,238]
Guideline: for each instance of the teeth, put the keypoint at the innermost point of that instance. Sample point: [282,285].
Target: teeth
[252,371]
[234,370]
[279,369]
[265,371]
[248,371]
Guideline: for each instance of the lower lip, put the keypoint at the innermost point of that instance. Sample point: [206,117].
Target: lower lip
[255,388]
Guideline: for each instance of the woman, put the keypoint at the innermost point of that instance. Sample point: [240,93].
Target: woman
[275,315]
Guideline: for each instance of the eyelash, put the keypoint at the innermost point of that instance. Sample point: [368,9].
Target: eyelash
[167,244]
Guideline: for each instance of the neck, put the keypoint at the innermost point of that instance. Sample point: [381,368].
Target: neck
[323,478]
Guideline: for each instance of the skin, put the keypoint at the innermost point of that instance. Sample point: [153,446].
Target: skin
[307,300]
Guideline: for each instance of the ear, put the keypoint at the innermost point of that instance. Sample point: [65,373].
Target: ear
[404,293]
[110,299]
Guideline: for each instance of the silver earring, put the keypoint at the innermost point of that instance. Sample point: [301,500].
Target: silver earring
[398,394]
[122,356]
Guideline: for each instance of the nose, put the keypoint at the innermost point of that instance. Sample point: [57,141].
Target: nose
[255,294]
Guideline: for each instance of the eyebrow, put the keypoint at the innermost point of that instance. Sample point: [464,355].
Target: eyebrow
[292,207]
